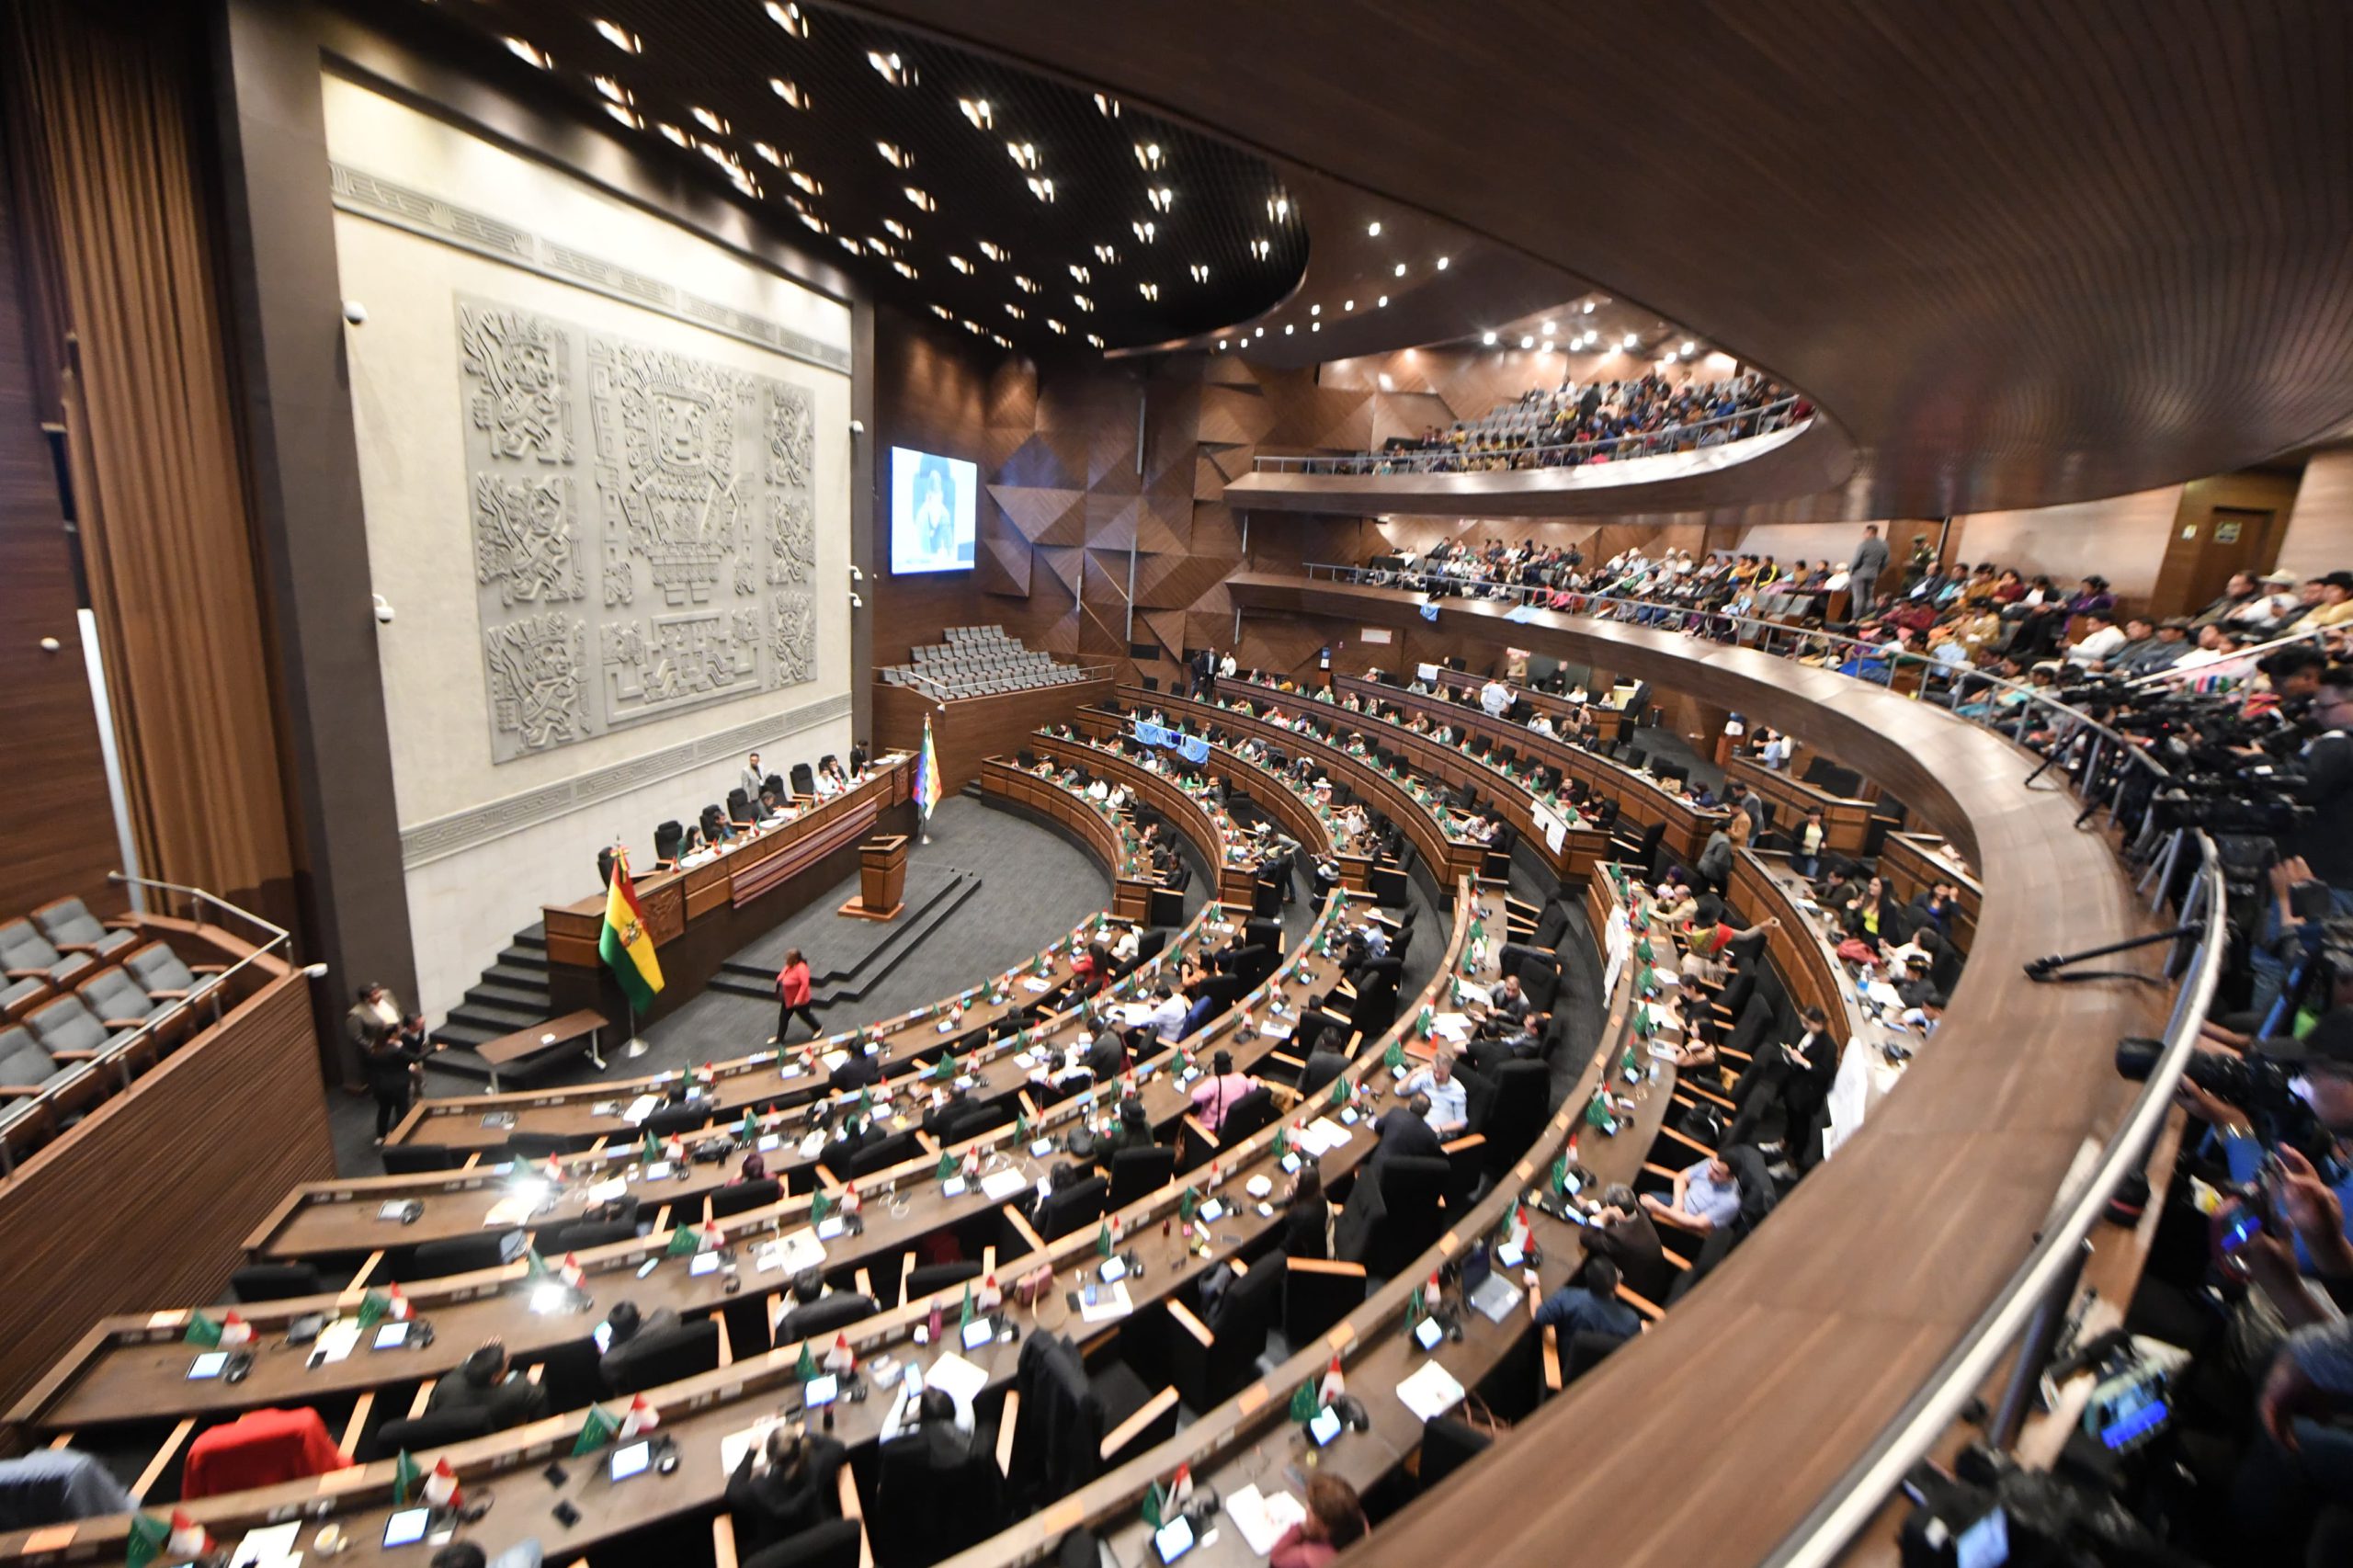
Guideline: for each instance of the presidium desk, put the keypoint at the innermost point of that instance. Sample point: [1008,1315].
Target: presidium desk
[701,916]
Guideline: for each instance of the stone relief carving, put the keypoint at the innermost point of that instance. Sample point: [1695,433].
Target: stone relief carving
[696,513]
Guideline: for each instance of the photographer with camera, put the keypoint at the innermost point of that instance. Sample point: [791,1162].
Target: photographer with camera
[2321,780]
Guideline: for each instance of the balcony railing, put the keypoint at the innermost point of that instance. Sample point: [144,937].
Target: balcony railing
[1449,459]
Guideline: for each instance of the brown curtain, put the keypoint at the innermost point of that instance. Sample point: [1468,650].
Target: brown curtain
[106,158]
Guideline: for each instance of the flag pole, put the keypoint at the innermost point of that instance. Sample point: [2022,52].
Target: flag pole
[635,1046]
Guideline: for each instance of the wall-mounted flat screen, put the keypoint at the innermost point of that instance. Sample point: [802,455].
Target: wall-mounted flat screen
[934,501]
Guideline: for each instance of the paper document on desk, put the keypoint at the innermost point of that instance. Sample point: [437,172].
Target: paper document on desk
[269,1545]
[834,1060]
[507,1213]
[1454,1025]
[1881,992]
[336,1341]
[1263,1520]
[1431,1392]
[1112,1303]
[958,1379]
[605,1191]
[1036,986]
[640,1107]
[1001,1185]
[1323,1135]
[792,1253]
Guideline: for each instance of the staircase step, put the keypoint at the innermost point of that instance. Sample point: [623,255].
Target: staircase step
[524,998]
[520,977]
[531,960]
[465,1035]
[534,935]
[497,1015]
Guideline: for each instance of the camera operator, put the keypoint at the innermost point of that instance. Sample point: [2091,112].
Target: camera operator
[2323,782]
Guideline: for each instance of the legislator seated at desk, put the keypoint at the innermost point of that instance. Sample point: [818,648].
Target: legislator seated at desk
[784,1486]
[50,1487]
[485,1382]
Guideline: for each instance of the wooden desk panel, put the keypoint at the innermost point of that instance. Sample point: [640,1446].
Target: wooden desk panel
[1210,834]
[1910,863]
[1608,723]
[1131,881]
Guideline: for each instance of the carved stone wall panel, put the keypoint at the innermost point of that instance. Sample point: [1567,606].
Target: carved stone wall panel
[687,517]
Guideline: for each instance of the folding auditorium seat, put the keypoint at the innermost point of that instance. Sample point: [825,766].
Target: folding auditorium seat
[160,974]
[26,954]
[71,928]
[121,1003]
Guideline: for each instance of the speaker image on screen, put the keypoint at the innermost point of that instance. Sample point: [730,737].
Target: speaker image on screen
[934,501]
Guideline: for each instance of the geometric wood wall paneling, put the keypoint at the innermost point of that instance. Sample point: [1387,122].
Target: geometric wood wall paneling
[1001,566]
[1041,515]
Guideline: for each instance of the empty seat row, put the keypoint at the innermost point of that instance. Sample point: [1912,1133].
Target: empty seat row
[60,943]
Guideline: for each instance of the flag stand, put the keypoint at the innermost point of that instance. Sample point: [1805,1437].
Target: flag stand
[636,1046]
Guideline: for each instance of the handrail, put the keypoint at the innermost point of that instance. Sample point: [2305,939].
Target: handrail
[118,1053]
[1772,416]
[2048,1272]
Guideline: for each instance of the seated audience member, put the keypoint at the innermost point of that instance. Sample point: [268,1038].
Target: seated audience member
[1706,1197]
[1334,1522]
[1449,1112]
[1307,1215]
[1131,1130]
[1622,1233]
[831,780]
[1405,1132]
[485,1382]
[1166,1016]
[631,1329]
[786,1485]
[1588,1304]
[1216,1094]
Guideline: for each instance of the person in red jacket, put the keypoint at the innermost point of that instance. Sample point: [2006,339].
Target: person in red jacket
[1334,1522]
[792,989]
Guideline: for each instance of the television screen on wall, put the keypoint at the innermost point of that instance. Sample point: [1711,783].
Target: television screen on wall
[934,501]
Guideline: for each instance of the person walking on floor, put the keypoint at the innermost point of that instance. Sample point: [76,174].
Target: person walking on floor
[1862,575]
[792,991]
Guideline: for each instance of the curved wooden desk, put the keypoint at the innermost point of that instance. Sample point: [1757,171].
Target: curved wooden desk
[1090,821]
[1817,1331]
[1609,719]
[1846,821]
[1225,850]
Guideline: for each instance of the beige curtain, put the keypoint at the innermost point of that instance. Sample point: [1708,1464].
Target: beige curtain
[108,179]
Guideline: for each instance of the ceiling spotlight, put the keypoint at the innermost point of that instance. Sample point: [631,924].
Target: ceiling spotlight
[903,269]
[676,136]
[877,246]
[1373,229]
[1314,310]
[1668,359]
[1044,189]
[610,89]
[1090,336]
[1161,197]
[627,116]
[1148,155]
[1108,108]
[897,229]
[1261,249]
[1106,254]
[769,153]
[1027,285]
[813,187]
[847,243]
[1149,291]
[1262,332]
[1488,338]
[1315,326]
[1588,307]
[1547,329]
[1024,154]
[1057,328]
[993,252]
[961,264]
[1441,264]
[1080,275]
[1528,343]
[977,110]
[1279,208]
[1082,301]
[1401,270]
[1144,230]
[1547,346]
[791,93]
[1688,346]
[1014,311]
[999,340]
[620,38]
[814,221]
[1201,274]
[898,157]
[790,19]
[1382,303]
[890,68]
[921,200]
[1631,339]
[1289,329]
[943,312]
[529,54]
[1347,304]
[1220,343]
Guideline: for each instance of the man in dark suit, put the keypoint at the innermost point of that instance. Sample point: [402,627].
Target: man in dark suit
[631,1331]
[1205,675]
[484,1382]
[1621,1232]
[1405,1132]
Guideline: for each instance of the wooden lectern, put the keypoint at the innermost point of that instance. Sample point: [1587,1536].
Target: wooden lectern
[882,878]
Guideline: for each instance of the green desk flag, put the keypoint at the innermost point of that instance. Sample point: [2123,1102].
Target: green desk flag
[806,1367]
[372,1308]
[964,1314]
[148,1535]
[595,1432]
[652,1152]
[202,1330]
[1560,1175]
[1643,950]
[1021,1132]
[820,1205]
[406,1473]
[682,1240]
[1394,1057]
[947,1166]
[1189,1203]
[945,1068]
[1302,1404]
[1156,1503]
[750,1128]
[1339,1093]
[1282,1142]
[1414,1310]
[1103,1240]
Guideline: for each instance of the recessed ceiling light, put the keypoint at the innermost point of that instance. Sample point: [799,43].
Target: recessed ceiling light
[1220,343]
[710,121]
[1528,343]
[903,269]
[1441,264]
[790,19]
[1014,311]
[1201,274]
[1080,274]
[1090,336]
[1041,187]
[770,153]
[1547,329]
[1315,326]
[877,246]
[1144,230]
[789,92]
[1588,307]
[1161,197]
[620,37]
[1027,285]
[814,187]
[611,89]
[898,157]
[1279,208]
[1107,106]
[921,200]
[847,243]
[999,340]
[1401,270]
[1488,338]
[1631,339]
[1082,302]
[1289,329]
[898,231]
[1148,155]
[1106,254]
[943,312]
[1057,328]
[1262,332]
[961,264]
[993,252]
[1382,303]
[814,221]
[1024,154]
[530,55]
[627,116]
[1347,304]
[890,68]
[1314,310]
[1668,357]
[1149,291]
[1373,229]
[977,110]
[1261,249]
[1688,346]
[673,134]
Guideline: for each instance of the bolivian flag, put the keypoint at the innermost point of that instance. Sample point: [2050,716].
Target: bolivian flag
[626,946]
